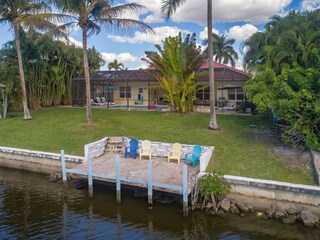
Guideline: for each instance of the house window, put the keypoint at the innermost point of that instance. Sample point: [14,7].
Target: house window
[235,94]
[203,94]
[140,90]
[125,92]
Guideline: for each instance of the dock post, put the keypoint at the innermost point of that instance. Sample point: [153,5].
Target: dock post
[118,180]
[90,185]
[64,169]
[185,190]
[150,182]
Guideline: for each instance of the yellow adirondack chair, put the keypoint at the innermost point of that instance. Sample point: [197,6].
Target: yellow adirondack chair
[175,152]
[145,150]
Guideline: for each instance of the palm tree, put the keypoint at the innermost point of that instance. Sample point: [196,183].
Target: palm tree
[294,39]
[177,65]
[90,16]
[17,13]
[222,49]
[115,65]
[167,9]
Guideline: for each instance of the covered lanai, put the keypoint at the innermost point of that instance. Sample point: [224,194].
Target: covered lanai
[138,88]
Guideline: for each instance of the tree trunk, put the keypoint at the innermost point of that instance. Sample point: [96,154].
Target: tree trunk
[86,75]
[26,113]
[213,125]
[5,103]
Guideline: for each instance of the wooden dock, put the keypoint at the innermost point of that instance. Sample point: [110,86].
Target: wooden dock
[155,174]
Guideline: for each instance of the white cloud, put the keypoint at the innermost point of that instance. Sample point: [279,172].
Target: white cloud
[160,34]
[152,9]
[71,41]
[310,5]
[125,58]
[256,11]
[153,19]
[204,33]
[134,15]
[231,10]
[153,6]
[142,64]
[239,63]
[241,33]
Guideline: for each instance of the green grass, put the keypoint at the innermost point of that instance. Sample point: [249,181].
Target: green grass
[236,150]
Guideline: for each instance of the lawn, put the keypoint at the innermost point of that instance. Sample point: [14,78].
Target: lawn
[239,149]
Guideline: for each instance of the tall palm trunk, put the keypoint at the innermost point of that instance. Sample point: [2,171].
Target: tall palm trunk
[213,125]
[26,113]
[86,75]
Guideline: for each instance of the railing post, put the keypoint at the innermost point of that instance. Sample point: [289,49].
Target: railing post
[64,169]
[118,180]
[185,190]
[90,182]
[150,182]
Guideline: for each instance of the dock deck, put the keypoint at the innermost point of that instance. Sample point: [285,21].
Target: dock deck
[166,177]
[105,162]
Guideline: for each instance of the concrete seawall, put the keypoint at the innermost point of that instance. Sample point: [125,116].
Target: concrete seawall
[315,156]
[265,194]
[35,161]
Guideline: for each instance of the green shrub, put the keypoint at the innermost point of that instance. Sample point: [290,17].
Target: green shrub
[213,182]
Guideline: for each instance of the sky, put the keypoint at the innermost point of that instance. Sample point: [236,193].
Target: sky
[237,19]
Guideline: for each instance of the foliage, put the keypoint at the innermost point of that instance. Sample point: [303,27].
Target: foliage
[289,40]
[8,78]
[177,65]
[115,65]
[168,7]
[294,96]
[27,14]
[50,66]
[286,58]
[223,52]
[213,182]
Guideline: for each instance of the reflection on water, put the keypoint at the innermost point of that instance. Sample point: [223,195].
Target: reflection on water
[31,207]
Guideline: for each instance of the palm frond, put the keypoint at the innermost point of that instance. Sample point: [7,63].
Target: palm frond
[170,6]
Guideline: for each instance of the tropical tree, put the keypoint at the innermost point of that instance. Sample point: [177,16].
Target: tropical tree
[223,52]
[7,78]
[115,65]
[286,41]
[176,66]
[167,9]
[27,13]
[286,61]
[50,66]
[90,16]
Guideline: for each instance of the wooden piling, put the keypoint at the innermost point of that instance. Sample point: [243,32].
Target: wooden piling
[150,182]
[185,189]
[64,169]
[118,180]
[90,182]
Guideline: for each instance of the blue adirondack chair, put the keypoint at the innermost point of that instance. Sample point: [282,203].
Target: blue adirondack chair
[193,157]
[132,149]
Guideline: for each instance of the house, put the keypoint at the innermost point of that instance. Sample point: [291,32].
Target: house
[138,88]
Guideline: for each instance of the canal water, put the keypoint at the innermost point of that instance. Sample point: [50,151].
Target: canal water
[31,207]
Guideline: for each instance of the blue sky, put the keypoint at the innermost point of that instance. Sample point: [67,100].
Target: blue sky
[237,19]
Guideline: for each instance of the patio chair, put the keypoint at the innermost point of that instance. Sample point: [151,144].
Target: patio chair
[175,153]
[193,157]
[132,149]
[104,100]
[99,101]
[93,103]
[145,150]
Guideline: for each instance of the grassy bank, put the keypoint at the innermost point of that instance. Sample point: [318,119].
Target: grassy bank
[239,149]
